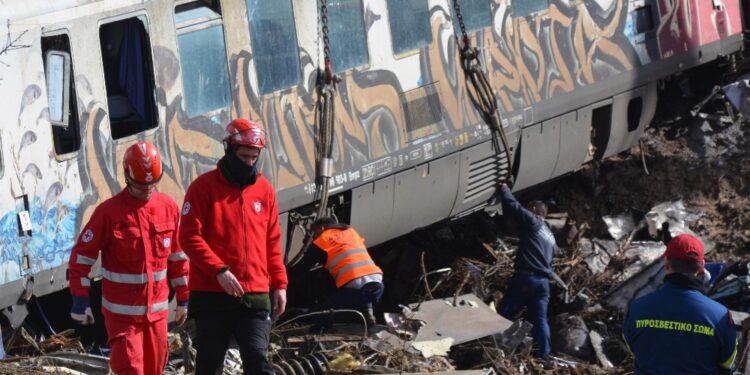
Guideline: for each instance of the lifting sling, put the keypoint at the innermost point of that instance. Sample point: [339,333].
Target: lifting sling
[486,100]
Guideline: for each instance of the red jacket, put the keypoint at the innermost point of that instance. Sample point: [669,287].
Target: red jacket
[139,253]
[223,225]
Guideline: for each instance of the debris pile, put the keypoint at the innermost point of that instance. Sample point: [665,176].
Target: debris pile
[612,223]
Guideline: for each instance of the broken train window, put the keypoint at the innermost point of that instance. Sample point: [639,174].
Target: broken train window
[61,93]
[128,75]
[205,77]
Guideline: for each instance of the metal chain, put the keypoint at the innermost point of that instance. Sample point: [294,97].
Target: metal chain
[461,24]
[326,41]
[487,102]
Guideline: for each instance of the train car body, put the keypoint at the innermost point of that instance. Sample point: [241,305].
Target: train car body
[81,80]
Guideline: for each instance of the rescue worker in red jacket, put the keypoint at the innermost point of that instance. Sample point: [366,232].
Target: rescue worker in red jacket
[135,231]
[342,252]
[230,231]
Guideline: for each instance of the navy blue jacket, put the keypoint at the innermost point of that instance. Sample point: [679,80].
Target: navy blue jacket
[678,330]
[537,242]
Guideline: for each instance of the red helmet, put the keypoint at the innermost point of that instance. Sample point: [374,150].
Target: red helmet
[142,163]
[244,132]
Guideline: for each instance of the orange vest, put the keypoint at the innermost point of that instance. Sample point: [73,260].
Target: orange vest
[346,255]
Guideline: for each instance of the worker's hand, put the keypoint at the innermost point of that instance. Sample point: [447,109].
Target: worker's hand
[229,283]
[81,311]
[278,303]
[180,314]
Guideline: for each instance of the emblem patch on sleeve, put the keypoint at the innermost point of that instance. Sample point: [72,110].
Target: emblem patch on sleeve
[88,235]
[186,208]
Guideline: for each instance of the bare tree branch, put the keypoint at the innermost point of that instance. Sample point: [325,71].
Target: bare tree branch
[12,44]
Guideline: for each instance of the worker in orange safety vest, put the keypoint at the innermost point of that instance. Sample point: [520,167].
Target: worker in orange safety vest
[359,281]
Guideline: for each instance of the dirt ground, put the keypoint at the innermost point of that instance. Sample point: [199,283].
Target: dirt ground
[709,168]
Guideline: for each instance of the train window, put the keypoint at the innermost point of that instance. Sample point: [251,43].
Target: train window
[205,77]
[410,24]
[476,15]
[128,76]
[346,24]
[635,110]
[57,76]
[61,94]
[274,39]
[523,8]
[643,19]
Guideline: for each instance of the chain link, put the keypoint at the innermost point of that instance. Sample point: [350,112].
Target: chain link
[460,17]
[324,28]
[487,102]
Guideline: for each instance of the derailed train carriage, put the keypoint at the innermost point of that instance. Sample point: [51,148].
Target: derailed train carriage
[406,146]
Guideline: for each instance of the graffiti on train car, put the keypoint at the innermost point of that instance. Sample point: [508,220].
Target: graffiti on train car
[573,45]
[569,45]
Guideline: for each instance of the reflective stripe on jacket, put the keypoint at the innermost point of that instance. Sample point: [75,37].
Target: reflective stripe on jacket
[346,255]
[140,255]
[678,330]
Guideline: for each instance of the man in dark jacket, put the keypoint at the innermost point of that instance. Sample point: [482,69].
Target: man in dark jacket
[230,232]
[677,329]
[529,285]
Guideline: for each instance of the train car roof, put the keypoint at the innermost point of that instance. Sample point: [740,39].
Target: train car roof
[25,14]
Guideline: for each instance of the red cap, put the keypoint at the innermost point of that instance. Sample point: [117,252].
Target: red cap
[685,247]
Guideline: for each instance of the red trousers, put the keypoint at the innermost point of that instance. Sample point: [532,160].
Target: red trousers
[137,348]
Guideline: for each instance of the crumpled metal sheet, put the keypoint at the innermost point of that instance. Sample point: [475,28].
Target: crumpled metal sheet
[673,212]
[469,320]
[641,277]
[597,253]
[619,226]
[642,253]
[738,93]
[676,214]
[645,281]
